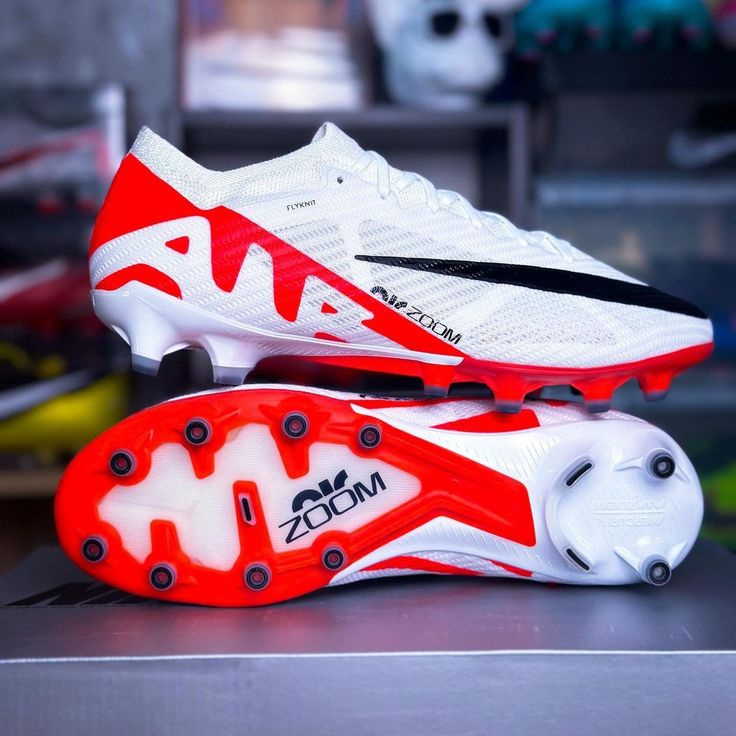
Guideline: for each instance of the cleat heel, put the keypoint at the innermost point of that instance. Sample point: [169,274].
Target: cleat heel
[143,326]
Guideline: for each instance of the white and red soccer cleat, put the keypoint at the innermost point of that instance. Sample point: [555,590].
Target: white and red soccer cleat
[257,494]
[330,254]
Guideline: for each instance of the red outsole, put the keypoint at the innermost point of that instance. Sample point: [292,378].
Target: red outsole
[449,486]
[510,383]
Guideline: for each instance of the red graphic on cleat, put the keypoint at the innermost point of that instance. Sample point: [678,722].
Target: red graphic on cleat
[142,200]
[448,485]
[180,245]
[142,274]
[407,562]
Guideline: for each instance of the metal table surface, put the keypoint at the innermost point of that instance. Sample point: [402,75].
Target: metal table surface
[425,655]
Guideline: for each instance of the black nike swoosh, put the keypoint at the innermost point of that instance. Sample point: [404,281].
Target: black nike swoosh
[547,279]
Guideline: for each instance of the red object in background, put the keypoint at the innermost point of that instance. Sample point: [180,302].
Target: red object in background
[48,298]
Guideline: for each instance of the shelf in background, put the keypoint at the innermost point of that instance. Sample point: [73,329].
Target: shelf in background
[614,189]
[632,71]
[271,122]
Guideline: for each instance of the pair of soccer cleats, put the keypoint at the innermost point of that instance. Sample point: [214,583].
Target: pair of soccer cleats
[256,494]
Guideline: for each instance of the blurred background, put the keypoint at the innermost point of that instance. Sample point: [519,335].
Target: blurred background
[611,123]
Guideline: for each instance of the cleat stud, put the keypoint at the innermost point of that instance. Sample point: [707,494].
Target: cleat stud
[295,425]
[232,360]
[509,407]
[122,463]
[257,577]
[162,576]
[437,380]
[597,394]
[662,465]
[657,572]
[508,393]
[333,558]
[197,432]
[94,549]
[142,364]
[369,436]
[229,376]
[654,386]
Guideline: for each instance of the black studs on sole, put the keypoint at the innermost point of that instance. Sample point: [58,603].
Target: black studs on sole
[333,558]
[257,577]
[658,572]
[122,463]
[162,577]
[197,432]
[369,436]
[662,465]
[295,425]
[94,549]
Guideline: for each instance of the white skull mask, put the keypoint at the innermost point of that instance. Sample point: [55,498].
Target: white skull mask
[443,53]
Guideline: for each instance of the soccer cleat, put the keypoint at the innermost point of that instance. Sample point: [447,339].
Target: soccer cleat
[252,495]
[331,255]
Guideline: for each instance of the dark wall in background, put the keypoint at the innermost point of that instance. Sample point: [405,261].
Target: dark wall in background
[64,42]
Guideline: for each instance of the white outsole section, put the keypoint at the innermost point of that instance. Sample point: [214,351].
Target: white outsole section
[615,517]
[154,324]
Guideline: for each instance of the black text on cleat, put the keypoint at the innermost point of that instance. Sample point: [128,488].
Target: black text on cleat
[369,436]
[122,463]
[257,577]
[657,572]
[333,558]
[94,549]
[295,425]
[162,577]
[662,465]
[197,432]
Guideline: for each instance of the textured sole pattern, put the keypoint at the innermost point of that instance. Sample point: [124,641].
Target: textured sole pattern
[255,495]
